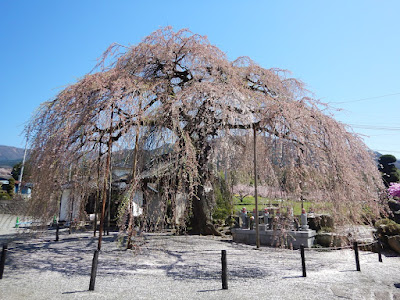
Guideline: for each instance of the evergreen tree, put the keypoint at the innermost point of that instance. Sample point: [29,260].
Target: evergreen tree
[9,188]
[16,170]
[389,171]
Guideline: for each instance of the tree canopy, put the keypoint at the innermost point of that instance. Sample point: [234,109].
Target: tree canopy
[176,88]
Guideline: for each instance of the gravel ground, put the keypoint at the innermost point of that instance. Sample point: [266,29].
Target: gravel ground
[184,267]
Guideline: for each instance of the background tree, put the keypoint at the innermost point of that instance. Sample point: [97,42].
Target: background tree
[9,188]
[243,190]
[176,88]
[3,194]
[389,171]
[16,170]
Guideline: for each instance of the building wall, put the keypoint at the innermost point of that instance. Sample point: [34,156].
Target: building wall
[137,209]
[69,204]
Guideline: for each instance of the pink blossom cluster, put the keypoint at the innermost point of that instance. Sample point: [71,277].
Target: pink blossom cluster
[394,190]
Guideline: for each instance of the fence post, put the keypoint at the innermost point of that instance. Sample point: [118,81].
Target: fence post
[94,270]
[303,260]
[57,232]
[3,260]
[355,246]
[224,270]
[379,246]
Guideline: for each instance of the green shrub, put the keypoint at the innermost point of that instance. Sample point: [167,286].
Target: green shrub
[4,195]
[9,188]
[387,227]
[223,201]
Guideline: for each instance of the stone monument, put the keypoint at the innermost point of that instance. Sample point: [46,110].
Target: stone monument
[303,220]
[243,215]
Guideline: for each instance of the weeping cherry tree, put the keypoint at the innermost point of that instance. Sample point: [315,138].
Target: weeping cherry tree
[177,89]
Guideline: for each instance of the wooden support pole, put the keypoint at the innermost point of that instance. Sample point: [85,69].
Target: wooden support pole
[106,175]
[70,221]
[355,246]
[97,200]
[224,270]
[109,199]
[135,158]
[303,261]
[255,188]
[93,273]
[3,260]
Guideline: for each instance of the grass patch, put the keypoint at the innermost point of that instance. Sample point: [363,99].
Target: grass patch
[249,203]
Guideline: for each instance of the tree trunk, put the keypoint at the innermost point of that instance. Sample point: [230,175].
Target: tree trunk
[202,204]
[201,220]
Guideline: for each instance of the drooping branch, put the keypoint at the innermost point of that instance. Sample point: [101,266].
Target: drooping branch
[183,92]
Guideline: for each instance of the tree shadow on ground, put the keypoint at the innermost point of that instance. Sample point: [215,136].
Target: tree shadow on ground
[69,256]
[72,256]
[189,268]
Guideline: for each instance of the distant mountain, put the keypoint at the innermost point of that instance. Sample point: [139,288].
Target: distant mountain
[9,156]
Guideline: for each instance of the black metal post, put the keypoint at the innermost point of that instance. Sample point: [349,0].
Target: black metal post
[379,248]
[303,260]
[57,231]
[3,260]
[355,246]
[70,223]
[94,270]
[224,270]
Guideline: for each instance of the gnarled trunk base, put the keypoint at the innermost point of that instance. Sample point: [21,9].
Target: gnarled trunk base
[201,219]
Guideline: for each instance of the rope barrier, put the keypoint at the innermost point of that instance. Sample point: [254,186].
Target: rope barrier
[340,248]
[329,248]
[369,244]
[142,247]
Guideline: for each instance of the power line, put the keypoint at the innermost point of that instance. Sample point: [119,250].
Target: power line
[365,99]
[375,127]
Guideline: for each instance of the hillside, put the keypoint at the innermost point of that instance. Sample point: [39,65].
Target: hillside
[9,156]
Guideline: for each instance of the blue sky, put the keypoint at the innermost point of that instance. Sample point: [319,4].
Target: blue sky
[347,52]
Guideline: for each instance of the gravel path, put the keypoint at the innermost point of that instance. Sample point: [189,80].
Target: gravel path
[186,267]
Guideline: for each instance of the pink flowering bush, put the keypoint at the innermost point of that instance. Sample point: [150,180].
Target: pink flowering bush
[394,190]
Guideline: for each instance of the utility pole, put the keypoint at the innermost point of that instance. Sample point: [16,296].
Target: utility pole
[21,173]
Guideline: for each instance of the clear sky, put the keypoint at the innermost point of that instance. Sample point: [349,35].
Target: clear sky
[347,52]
